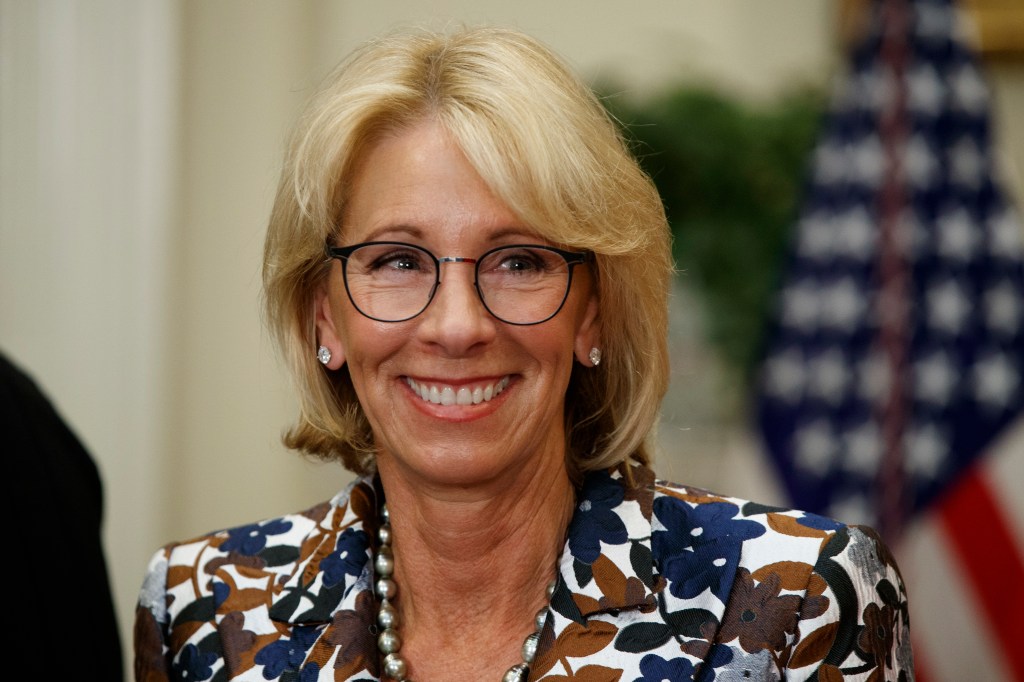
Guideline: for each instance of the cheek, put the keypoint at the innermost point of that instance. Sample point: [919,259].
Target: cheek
[369,344]
[553,346]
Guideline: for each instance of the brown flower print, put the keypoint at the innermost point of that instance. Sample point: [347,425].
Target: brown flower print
[877,637]
[758,615]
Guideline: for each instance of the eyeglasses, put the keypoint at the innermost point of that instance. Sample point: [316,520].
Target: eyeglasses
[520,284]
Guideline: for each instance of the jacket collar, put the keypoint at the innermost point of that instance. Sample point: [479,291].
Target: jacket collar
[606,565]
[335,563]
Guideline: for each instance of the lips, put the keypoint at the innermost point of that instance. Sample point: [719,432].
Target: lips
[467,394]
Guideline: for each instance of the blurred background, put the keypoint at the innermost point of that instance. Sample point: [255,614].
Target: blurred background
[140,144]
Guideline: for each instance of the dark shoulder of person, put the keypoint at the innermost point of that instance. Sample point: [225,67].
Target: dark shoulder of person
[63,613]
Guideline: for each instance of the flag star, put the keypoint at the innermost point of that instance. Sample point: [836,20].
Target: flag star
[845,92]
[925,90]
[874,378]
[817,236]
[927,449]
[935,378]
[857,235]
[815,447]
[868,161]
[1003,308]
[784,375]
[967,163]
[829,163]
[1005,234]
[863,449]
[948,307]
[874,88]
[829,376]
[800,307]
[969,91]
[933,22]
[853,509]
[843,305]
[919,162]
[959,237]
[995,380]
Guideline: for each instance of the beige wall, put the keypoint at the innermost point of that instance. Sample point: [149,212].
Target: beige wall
[140,145]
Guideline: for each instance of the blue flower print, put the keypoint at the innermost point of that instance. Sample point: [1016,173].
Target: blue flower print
[654,668]
[819,522]
[703,543]
[595,520]
[251,539]
[719,655]
[348,557]
[286,654]
[311,673]
[194,665]
[221,592]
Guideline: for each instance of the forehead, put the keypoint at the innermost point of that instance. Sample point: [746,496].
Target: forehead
[417,183]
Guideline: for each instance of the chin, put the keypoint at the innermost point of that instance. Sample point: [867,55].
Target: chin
[452,464]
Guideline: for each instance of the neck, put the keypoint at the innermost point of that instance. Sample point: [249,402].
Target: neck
[474,564]
[458,546]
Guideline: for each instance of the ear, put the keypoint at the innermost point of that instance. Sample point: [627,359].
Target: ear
[587,333]
[327,329]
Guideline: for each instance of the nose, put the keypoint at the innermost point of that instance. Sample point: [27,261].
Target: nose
[456,320]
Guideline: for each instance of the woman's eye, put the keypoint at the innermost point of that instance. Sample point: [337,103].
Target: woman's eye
[521,262]
[399,261]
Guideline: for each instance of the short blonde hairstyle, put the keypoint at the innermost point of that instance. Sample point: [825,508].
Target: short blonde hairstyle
[546,147]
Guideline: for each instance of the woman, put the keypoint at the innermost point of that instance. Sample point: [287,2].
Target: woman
[467,273]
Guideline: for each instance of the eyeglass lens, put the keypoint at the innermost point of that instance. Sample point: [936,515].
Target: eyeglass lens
[392,282]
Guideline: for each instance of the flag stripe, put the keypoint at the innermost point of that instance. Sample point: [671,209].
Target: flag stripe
[987,552]
[951,639]
[1004,471]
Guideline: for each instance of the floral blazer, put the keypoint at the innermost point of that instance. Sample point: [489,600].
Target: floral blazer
[656,582]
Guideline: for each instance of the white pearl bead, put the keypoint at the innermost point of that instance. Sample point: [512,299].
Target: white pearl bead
[516,673]
[530,647]
[386,588]
[384,534]
[384,563]
[540,618]
[389,642]
[387,616]
[394,667]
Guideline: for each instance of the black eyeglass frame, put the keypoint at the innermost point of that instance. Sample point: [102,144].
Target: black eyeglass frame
[572,259]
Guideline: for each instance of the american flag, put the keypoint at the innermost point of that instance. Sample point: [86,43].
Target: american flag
[892,391]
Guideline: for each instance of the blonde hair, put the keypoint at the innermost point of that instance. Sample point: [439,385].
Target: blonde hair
[545,146]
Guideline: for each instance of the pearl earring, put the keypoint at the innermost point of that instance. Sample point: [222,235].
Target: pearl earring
[323,354]
[595,356]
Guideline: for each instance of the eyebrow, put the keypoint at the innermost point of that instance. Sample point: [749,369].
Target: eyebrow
[405,232]
[393,233]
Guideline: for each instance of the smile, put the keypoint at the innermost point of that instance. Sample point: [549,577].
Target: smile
[439,394]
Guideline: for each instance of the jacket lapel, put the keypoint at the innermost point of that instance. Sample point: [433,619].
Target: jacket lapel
[612,605]
[330,590]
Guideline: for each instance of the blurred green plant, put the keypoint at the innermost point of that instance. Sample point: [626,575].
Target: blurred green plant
[730,174]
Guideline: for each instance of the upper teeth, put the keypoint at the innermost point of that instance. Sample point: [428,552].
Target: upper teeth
[464,395]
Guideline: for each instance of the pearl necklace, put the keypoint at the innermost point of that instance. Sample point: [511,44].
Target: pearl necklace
[389,641]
